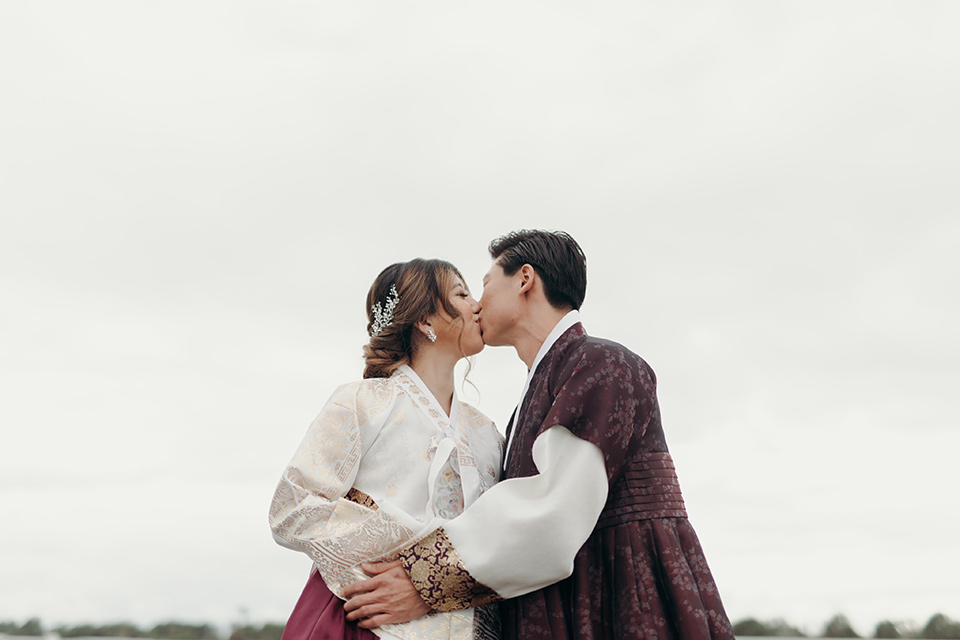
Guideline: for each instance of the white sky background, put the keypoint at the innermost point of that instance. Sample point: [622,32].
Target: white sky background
[195,197]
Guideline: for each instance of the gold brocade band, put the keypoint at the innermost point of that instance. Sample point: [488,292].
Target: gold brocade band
[355,495]
[437,572]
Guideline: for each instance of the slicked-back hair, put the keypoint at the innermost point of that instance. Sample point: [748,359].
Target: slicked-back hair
[554,255]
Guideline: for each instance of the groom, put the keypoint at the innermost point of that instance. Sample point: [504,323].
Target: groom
[587,535]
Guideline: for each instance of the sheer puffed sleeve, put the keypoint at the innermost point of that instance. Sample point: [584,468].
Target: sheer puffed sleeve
[314,509]
[519,536]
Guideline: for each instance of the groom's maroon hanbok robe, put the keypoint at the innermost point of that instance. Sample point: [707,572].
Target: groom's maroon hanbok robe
[641,572]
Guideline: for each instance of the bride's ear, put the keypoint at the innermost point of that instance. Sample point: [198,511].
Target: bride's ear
[425,329]
[422,325]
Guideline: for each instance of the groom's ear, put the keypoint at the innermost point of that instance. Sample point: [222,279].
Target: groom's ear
[526,275]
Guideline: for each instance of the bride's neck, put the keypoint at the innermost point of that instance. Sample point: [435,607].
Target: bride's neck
[437,374]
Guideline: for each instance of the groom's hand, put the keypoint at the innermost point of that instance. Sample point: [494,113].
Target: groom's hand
[387,597]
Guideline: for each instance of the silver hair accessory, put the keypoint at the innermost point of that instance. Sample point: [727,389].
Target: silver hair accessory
[383,315]
[431,335]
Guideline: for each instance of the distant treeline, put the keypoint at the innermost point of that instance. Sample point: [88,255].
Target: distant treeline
[939,627]
[164,630]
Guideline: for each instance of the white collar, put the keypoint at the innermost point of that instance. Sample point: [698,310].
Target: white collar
[454,403]
[567,321]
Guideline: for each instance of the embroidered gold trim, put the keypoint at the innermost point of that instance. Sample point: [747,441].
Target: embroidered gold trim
[437,572]
[355,495]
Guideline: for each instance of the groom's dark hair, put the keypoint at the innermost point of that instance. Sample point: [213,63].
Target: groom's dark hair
[554,255]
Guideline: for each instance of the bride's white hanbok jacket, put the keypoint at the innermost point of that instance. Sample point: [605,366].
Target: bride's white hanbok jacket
[380,467]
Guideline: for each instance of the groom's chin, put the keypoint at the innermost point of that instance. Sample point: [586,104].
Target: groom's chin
[490,338]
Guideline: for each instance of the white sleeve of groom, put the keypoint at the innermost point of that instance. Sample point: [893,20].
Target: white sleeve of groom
[523,533]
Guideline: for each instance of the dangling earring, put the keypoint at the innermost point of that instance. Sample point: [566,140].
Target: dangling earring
[431,336]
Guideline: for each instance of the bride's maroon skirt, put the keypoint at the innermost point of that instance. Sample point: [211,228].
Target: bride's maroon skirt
[319,615]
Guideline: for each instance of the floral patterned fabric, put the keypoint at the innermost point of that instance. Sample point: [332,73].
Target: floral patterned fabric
[642,572]
[436,570]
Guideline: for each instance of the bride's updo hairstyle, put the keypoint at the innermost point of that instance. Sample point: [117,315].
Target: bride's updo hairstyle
[422,287]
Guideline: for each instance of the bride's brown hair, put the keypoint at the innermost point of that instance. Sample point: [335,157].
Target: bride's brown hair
[423,287]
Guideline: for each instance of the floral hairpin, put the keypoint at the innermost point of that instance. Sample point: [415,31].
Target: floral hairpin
[383,315]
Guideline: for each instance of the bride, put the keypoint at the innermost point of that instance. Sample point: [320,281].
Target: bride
[390,455]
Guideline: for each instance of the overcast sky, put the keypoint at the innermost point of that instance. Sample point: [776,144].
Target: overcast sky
[195,197]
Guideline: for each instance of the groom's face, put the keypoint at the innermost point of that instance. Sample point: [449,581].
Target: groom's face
[499,308]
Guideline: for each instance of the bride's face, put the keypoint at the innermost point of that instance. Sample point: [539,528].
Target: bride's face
[461,334]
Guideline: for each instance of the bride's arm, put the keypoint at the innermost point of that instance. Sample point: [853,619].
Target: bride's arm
[315,511]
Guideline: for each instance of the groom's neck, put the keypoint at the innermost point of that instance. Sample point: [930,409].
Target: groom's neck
[533,330]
